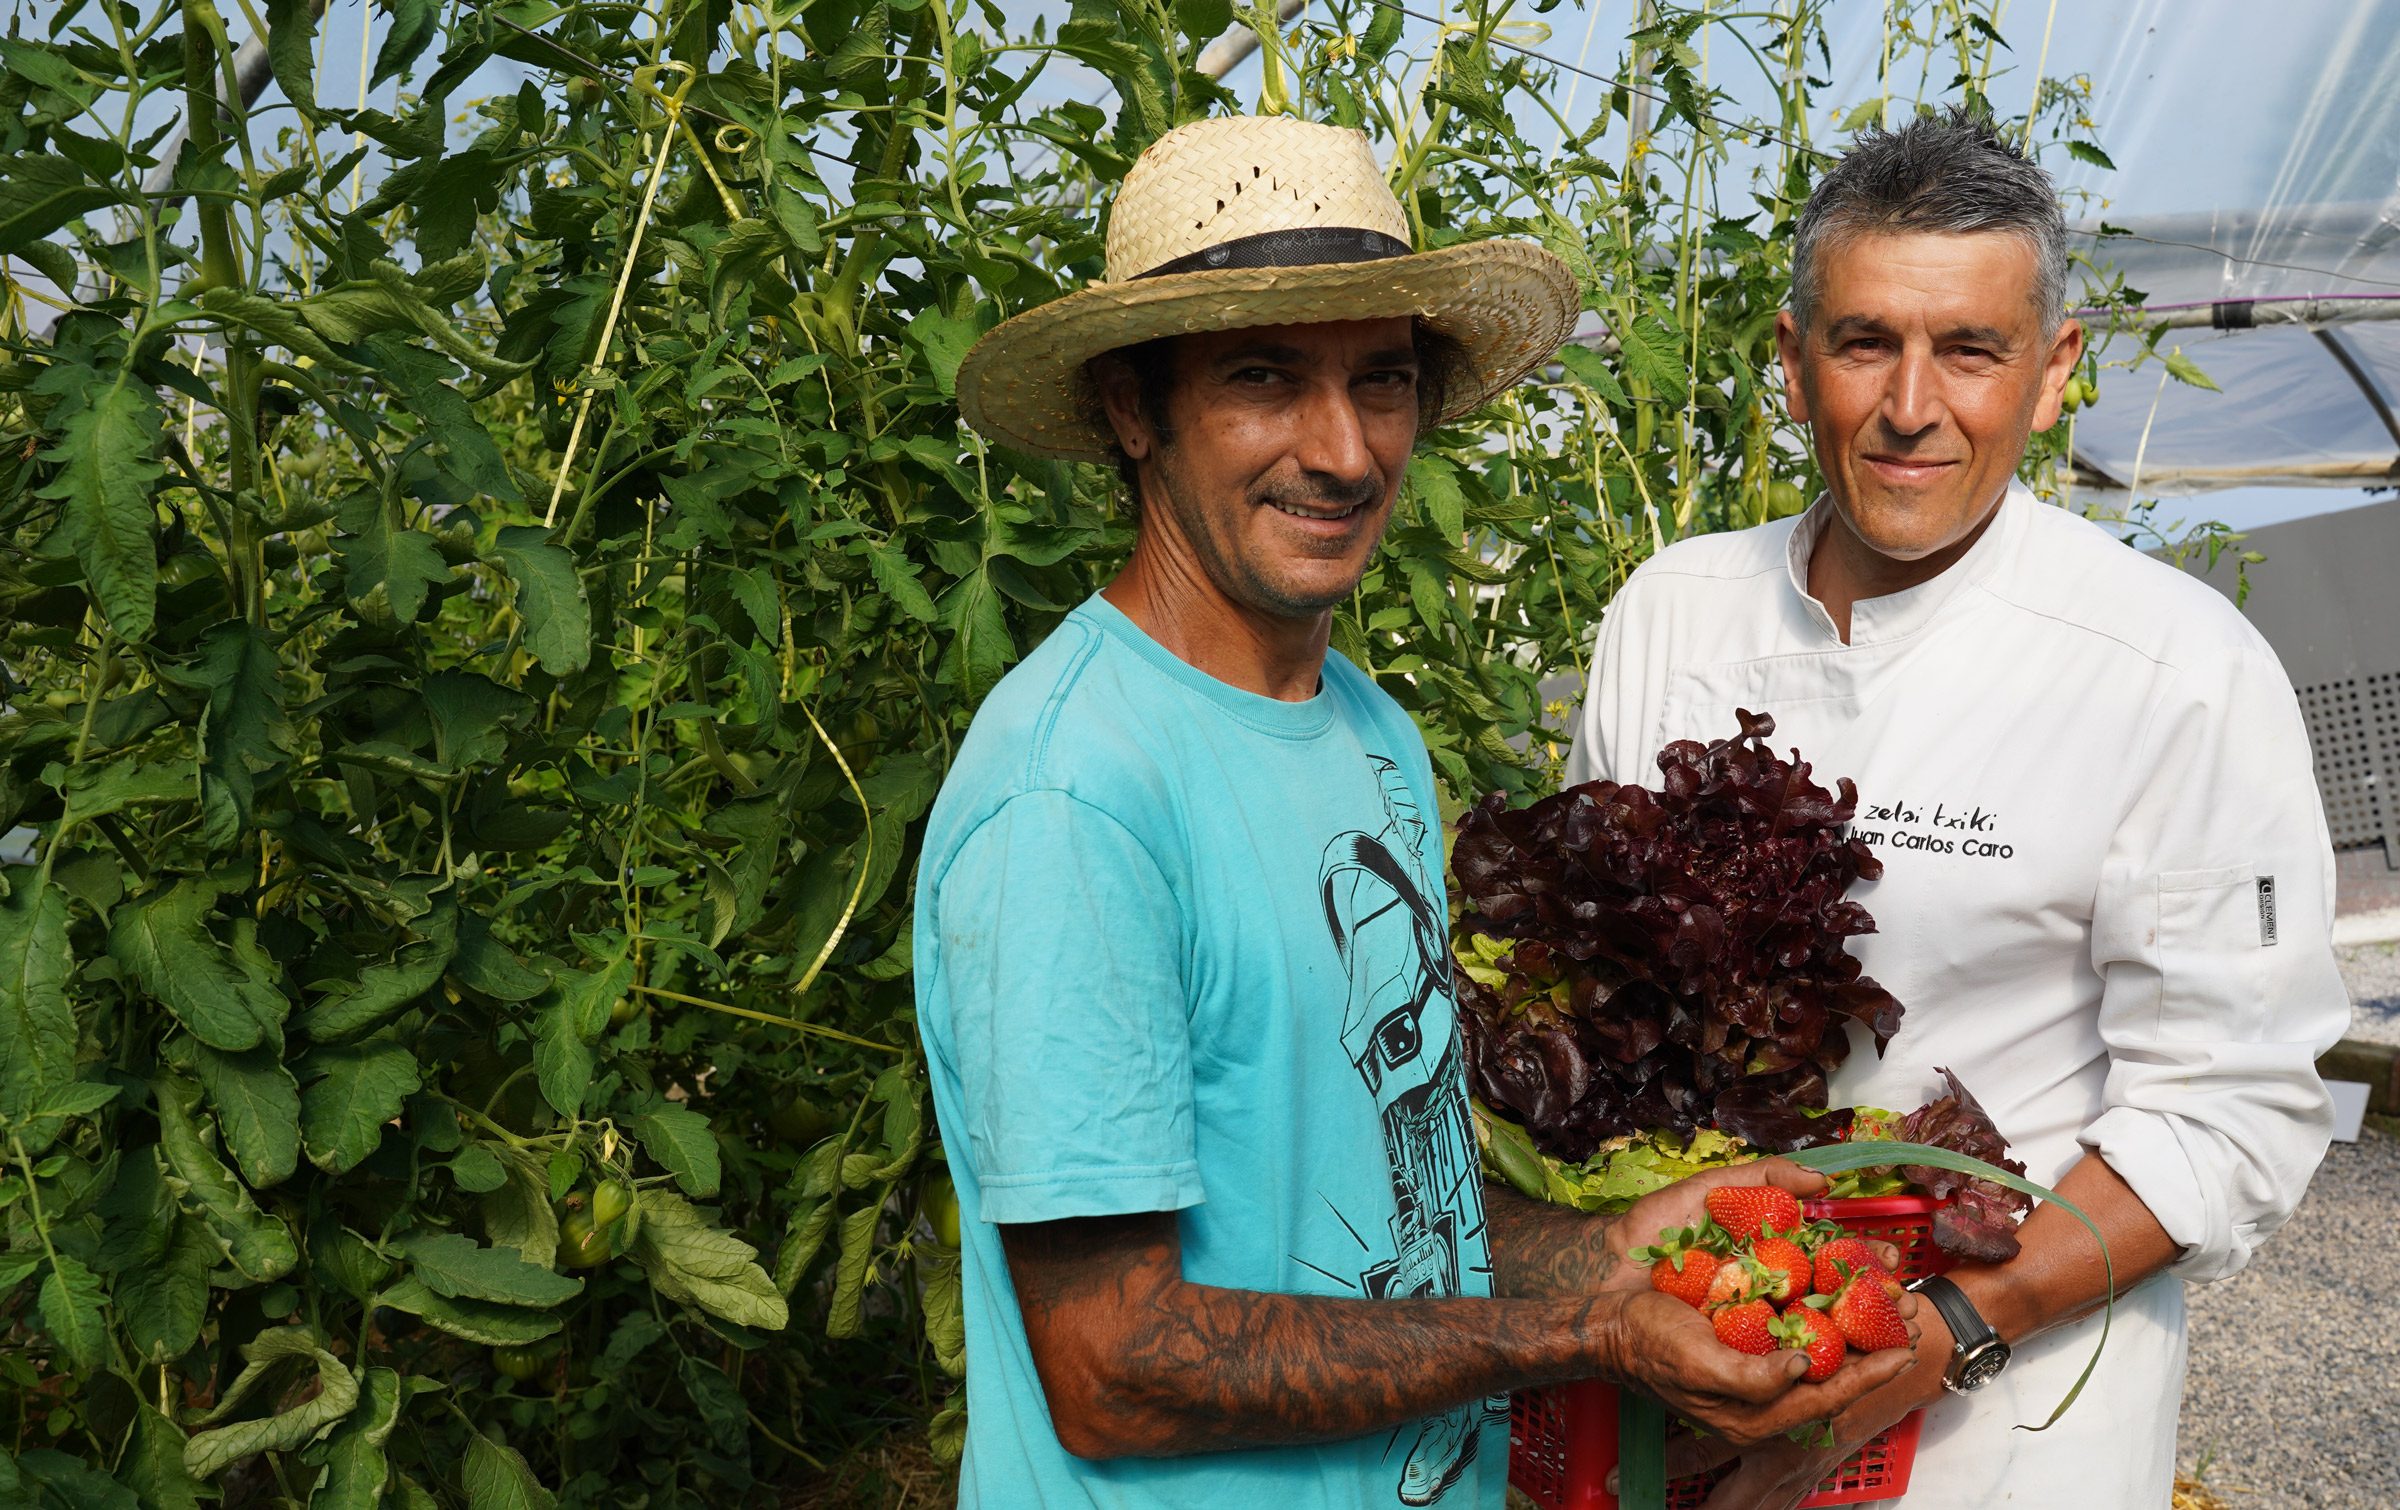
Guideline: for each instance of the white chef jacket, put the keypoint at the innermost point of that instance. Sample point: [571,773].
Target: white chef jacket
[2107,904]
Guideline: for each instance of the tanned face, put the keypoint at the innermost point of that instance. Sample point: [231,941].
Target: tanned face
[1922,375]
[1284,451]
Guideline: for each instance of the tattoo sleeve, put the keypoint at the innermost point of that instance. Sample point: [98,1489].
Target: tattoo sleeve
[1136,1362]
[1543,1251]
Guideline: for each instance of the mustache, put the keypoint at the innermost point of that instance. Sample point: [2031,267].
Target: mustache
[1318,491]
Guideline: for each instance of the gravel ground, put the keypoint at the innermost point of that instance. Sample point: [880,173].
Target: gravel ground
[2292,1386]
[2372,972]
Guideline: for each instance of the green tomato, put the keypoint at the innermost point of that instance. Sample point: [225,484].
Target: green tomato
[1784,499]
[941,1209]
[187,567]
[519,1363]
[610,1202]
[800,1121]
[624,1010]
[580,1246]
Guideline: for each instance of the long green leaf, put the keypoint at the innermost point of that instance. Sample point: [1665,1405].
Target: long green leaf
[163,943]
[1839,1158]
[336,1397]
[245,733]
[291,26]
[355,1467]
[517,1213]
[484,1321]
[550,597]
[689,1260]
[679,1138]
[107,457]
[37,1027]
[1641,1452]
[163,1303]
[73,1307]
[42,192]
[453,1265]
[497,1478]
[355,1090]
[257,1245]
[385,990]
[153,1464]
[258,1109]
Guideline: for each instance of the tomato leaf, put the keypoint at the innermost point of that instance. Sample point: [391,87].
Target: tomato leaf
[107,438]
[679,1138]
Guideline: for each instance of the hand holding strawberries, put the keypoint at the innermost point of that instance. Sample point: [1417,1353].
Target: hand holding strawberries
[1722,1339]
[1776,1285]
[1768,1279]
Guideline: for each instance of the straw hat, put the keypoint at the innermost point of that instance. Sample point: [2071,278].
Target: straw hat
[1259,220]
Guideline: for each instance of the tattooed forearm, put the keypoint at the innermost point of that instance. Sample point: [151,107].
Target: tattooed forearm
[1137,1362]
[1540,1250]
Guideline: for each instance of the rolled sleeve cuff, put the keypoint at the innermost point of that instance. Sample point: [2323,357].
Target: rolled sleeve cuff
[2146,1151]
[1118,1190]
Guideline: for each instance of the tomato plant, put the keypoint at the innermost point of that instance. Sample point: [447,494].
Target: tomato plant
[481,634]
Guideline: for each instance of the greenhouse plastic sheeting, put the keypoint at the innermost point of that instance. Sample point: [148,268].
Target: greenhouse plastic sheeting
[2258,157]
[2257,153]
[2288,414]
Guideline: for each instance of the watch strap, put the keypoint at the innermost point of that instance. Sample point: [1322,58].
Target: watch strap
[1968,1329]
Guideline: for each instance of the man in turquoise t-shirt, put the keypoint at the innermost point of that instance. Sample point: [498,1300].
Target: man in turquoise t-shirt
[1182,969]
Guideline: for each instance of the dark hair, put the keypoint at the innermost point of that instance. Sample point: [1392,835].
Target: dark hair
[1441,365]
[1957,173]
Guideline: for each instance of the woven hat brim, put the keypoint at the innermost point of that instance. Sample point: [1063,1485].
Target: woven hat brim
[1509,304]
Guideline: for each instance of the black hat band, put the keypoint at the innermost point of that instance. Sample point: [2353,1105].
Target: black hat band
[1301,246]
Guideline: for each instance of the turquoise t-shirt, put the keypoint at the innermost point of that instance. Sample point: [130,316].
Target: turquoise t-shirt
[1181,948]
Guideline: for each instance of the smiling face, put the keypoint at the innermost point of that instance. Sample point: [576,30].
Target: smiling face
[1283,450]
[1922,374]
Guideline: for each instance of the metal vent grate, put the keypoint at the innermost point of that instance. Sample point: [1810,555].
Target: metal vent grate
[2354,727]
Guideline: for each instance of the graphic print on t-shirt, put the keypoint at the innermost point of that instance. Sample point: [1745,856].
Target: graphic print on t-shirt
[1400,1029]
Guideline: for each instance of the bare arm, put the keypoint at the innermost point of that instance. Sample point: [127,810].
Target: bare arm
[2059,1276]
[1138,1362]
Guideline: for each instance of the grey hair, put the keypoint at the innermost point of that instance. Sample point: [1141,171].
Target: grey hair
[1955,173]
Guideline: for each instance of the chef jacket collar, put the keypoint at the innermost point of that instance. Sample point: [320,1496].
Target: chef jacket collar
[1898,615]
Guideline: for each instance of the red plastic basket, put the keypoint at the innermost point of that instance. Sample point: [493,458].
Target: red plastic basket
[1563,1440]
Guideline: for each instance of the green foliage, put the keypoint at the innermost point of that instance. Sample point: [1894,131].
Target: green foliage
[469,726]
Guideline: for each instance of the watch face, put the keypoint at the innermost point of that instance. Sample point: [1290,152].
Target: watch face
[1981,1366]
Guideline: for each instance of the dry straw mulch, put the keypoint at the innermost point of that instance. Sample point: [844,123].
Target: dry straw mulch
[892,1475]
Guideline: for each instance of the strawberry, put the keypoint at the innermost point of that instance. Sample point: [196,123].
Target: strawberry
[1686,1276]
[1744,1210]
[1786,1263]
[1812,1332]
[1738,1280]
[1841,1258]
[1682,1262]
[1868,1312]
[1746,1327]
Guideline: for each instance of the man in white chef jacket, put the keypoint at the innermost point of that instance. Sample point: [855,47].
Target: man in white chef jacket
[2108,887]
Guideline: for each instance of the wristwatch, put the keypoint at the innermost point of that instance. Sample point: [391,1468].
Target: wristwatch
[1977,1353]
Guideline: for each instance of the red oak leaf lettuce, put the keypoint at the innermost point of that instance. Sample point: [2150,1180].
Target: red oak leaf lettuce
[1675,958]
[1982,1223]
